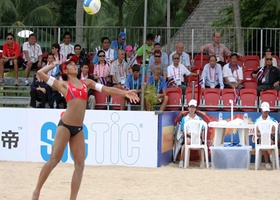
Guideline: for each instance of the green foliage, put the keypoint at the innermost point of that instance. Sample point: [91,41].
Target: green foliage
[29,13]
[253,13]
[150,95]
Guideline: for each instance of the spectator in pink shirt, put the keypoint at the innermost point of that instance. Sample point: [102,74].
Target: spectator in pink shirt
[102,68]
[216,48]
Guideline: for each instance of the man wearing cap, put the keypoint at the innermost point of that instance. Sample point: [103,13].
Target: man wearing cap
[268,76]
[268,52]
[130,57]
[233,73]
[265,108]
[120,42]
[190,116]
[216,48]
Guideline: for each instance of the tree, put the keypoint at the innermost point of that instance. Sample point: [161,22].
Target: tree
[79,21]
[237,22]
[29,13]
[263,13]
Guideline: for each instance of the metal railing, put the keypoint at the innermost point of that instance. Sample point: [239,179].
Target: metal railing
[255,39]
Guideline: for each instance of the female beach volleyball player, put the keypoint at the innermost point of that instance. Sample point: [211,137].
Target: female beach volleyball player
[70,127]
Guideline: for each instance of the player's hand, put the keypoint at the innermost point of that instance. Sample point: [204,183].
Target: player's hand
[132,96]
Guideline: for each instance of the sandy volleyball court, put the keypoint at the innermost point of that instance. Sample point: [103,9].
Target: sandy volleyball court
[130,183]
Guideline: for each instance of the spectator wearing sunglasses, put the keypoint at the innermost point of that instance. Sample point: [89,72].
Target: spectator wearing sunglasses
[10,55]
[102,69]
[157,63]
[176,72]
[268,76]
[268,51]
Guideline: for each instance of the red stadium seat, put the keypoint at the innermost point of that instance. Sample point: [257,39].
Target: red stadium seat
[174,98]
[197,60]
[195,68]
[247,74]
[101,100]
[250,84]
[188,96]
[251,62]
[91,66]
[228,94]
[115,102]
[278,100]
[211,99]
[191,79]
[269,96]
[248,100]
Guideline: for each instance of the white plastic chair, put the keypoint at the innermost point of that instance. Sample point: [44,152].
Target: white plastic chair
[195,128]
[265,128]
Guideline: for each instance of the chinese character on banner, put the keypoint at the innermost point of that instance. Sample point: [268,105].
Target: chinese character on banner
[10,139]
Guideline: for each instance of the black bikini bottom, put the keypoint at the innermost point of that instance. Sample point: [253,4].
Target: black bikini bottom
[74,130]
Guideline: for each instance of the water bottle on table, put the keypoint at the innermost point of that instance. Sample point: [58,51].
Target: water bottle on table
[220,116]
[245,118]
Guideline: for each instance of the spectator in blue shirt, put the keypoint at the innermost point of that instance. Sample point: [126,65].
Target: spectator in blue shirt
[120,42]
[133,82]
[160,86]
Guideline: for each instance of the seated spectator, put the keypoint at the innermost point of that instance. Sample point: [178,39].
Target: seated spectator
[32,55]
[85,75]
[160,86]
[233,74]
[177,72]
[268,52]
[191,116]
[164,56]
[10,57]
[38,92]
[216,48]
[149,48]
[133,82]
[82,59]
[120,42]
[110,54]
[130,57]
[157,64]
[57,55]
[66,48]
[265,108]
[184,57]
[102,69]
[119,70]
[212,74]
[57,100]
[268,76]
[55,72]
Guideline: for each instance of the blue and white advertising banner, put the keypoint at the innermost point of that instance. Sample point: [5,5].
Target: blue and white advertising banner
[111,137]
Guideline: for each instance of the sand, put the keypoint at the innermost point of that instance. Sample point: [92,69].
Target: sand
[18,180]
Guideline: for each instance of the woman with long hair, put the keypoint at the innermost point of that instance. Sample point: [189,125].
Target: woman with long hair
[70,127]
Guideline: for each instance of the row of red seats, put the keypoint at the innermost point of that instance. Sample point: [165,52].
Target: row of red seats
[215,99]
[251,62]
